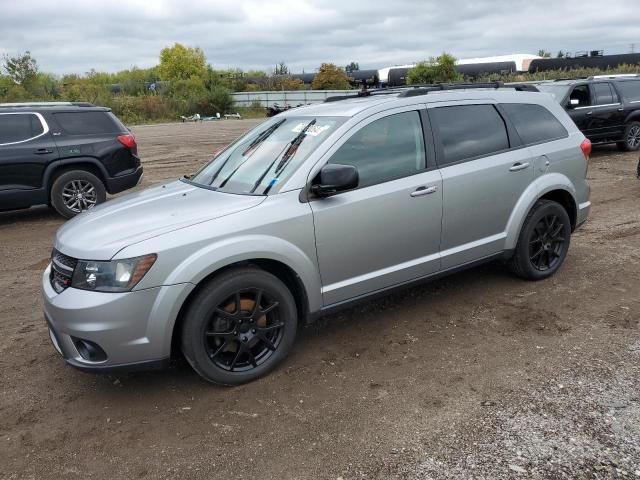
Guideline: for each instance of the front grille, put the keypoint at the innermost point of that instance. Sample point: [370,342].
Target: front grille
[62,267]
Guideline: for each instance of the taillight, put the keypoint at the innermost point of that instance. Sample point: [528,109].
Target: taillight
[127,140]
[585,146]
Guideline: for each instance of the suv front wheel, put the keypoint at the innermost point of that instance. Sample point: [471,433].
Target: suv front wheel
[239,326]
[76,191]
[544,241]
[631,141]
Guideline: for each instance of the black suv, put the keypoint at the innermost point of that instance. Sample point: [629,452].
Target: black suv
[66,155]
[605,108]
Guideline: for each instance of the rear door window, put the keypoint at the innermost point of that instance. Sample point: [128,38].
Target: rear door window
[88,123]
[604,94]
[534,123]
[469,131]
[20,127]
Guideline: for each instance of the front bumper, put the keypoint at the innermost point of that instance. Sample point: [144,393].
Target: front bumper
[133,329]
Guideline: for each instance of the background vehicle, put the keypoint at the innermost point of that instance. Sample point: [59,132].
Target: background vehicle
[315,209]
[605,108]
[67,155]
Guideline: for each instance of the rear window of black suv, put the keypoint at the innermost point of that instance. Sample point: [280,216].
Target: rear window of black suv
[534,123]
[630,90]
[88,123]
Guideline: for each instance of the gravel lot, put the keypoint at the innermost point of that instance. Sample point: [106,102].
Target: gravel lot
[479,375]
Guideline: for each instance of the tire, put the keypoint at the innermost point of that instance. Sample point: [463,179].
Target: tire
[90,189]
[543,242]
[631,139]
[228,345]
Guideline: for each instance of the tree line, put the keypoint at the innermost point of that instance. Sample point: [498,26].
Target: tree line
[184,83]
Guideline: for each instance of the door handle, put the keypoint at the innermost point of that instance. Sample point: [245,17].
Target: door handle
[589,113]
[42,151]
[621,109]
[519,166]
[420,191]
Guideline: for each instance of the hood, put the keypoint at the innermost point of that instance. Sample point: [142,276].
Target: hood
[106,229]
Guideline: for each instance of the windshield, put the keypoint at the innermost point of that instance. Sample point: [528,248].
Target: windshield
[558,92]
[266,156]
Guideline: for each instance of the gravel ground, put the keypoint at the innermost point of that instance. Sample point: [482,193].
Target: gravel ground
[479,375]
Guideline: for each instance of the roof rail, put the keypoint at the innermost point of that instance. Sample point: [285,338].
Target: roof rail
[613,76]
[47,104]
[570,78]
[423,89]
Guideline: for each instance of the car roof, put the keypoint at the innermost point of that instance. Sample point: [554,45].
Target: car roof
[51,107]
[350,107]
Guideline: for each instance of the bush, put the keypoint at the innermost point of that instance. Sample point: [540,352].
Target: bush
[330,77]
[435,70]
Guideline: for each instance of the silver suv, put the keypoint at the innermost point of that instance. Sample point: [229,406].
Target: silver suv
[314,209]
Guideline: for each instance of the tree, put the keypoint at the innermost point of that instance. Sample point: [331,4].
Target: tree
[182,63]
[435,70]
[281,69]
[352,67]
[330,77]
[543,53]
[560,54]
[287,83]
[20,68]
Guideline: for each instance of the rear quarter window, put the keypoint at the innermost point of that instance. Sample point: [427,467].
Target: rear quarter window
[534,123]
[630,90]
[88,123]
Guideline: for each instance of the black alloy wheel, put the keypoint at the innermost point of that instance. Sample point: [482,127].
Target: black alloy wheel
[546,243]
[543,242]
[244,331]
[239,326]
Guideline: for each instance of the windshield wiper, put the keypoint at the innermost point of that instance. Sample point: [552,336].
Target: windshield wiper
[288,154]
[262,136]
[252,148]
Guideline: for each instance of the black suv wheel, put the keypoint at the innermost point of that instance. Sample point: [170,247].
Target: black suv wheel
[631,141]
[544,241]
[76,191]
[239,326]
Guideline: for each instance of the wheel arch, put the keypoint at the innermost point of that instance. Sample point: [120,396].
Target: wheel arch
[59,167]
[275,267]
[633,116]
[554,186]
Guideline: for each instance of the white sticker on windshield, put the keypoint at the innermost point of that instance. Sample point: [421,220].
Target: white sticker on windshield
[313,130]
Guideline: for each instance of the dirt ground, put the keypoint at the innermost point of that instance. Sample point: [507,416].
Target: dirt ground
[479,375]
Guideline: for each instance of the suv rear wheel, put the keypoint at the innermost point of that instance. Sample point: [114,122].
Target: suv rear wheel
[543,242]
[76,191]
[239,326]
[631,141]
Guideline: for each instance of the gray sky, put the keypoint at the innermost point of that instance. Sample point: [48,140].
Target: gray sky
[110,35]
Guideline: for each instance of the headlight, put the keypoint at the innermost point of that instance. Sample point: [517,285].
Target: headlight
[113,276]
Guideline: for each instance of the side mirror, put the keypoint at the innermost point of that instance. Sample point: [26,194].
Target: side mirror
[573,103]
[334,178]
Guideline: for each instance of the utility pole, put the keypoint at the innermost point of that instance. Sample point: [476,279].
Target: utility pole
[632,48]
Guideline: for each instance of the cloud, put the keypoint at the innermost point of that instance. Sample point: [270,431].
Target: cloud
[77,35]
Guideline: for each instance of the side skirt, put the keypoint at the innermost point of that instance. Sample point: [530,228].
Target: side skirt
[336,307]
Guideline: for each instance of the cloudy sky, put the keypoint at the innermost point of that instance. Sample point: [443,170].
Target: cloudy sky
[77,35]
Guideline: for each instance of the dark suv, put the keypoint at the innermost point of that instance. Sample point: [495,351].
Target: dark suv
[605,108]
[66,155]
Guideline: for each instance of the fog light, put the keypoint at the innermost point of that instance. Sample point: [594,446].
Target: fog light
[89,350]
